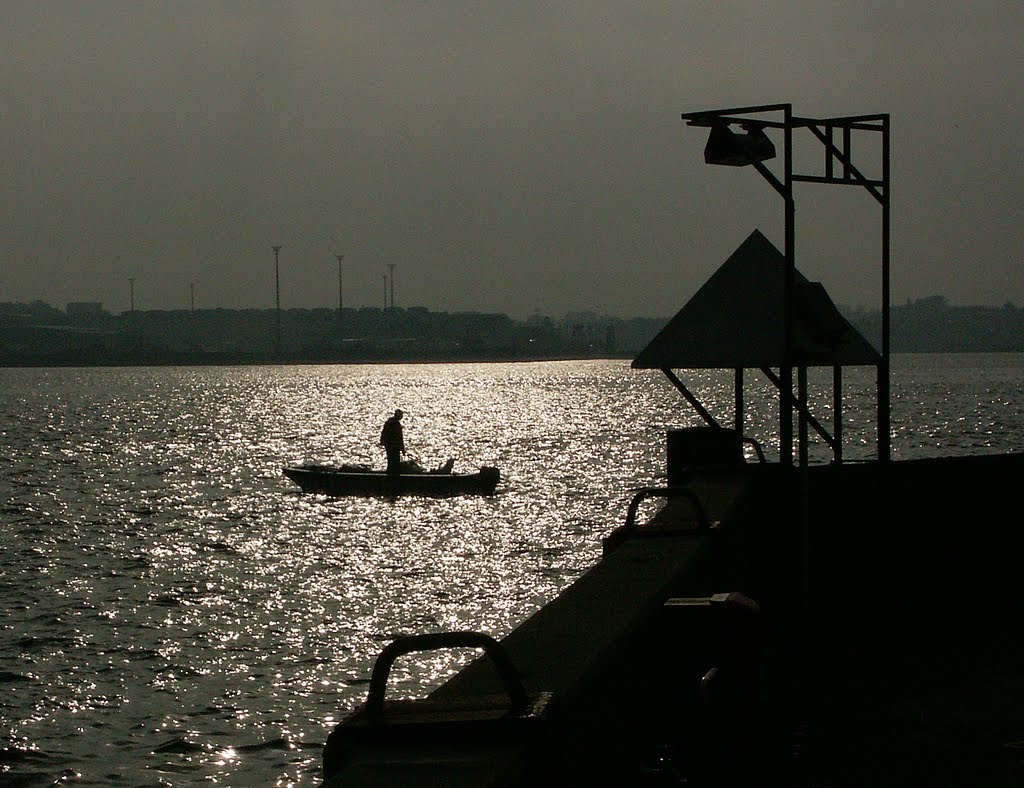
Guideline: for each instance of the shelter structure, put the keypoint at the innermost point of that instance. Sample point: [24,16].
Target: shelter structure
[737,320]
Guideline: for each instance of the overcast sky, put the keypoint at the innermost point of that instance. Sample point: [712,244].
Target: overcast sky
[506,157]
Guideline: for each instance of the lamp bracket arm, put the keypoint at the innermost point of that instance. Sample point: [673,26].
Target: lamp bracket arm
[769,176]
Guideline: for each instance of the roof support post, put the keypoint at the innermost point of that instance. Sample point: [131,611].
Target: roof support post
[801,393]
[837,412]
[739,400]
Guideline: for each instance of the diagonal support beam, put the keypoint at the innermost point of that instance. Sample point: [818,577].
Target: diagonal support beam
[801,407]
[689,397]
[858,176]
[769,176]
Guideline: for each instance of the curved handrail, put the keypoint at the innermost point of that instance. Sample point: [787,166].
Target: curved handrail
[757,447]
[428,642]
[665,492]
[629,528]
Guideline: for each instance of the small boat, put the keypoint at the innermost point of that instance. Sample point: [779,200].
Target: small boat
[361,480]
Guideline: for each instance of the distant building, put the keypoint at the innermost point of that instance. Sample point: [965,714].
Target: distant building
[80,309]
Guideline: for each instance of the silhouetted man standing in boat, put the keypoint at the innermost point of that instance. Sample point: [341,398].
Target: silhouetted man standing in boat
[392,440]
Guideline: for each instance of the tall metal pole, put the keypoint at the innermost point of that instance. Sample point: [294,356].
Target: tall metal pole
[884,426]
[192,296]
[341,300]
[786,373]
[277,290]
[134,332]
[391,267]
[385,291]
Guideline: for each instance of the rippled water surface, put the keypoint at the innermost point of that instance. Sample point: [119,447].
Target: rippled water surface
[173,611]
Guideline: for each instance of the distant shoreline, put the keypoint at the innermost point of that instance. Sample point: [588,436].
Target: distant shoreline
[38,335]
[292,361]
[80,363]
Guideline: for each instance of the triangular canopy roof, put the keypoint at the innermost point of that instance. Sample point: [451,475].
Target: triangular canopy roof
[737,320]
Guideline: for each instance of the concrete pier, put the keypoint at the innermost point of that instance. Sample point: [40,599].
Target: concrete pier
[870,639]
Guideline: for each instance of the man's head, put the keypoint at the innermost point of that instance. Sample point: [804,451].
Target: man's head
[398,414]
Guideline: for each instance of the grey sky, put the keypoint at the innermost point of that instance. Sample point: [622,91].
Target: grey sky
[504,157]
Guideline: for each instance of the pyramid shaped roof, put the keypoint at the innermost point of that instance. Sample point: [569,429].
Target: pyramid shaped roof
[737,320]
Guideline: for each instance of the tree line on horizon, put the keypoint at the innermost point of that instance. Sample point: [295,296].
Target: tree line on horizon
[933,325]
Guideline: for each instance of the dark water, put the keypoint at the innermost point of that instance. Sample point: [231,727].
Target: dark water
[173,612]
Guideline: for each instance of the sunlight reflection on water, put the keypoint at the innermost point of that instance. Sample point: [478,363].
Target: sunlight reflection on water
[175,611]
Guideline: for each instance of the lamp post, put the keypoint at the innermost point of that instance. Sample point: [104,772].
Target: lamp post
[391,268]
[385,291]
[750,146]
[277,292]
[341,330]
[753,147]
[132,321]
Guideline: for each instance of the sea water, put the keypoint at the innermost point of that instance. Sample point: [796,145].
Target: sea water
[173,611]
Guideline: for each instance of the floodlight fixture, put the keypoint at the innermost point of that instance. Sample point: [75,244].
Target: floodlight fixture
[733,149]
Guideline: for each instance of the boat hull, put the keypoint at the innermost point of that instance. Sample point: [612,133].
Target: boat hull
[333,481]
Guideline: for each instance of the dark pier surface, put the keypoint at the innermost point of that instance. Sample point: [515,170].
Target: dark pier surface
[853,625]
